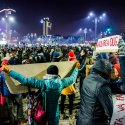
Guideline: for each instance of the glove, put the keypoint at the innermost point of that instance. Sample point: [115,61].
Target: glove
[77,65]
[6,69]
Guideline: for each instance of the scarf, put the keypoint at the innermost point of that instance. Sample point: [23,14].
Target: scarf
[50,76]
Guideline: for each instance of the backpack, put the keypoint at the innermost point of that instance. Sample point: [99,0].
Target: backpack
[36,109]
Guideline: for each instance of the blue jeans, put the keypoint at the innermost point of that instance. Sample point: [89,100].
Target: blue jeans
[122,65]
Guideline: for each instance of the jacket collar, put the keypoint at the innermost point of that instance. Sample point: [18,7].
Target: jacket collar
[50,76]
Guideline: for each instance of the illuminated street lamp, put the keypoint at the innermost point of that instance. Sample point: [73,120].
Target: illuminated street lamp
[11,19]
[7,18]
[46,25]
[85,32]
[3,19]
[96,20]
[80,29]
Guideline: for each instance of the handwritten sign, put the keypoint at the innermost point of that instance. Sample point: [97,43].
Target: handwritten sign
[118,117]
[108,44]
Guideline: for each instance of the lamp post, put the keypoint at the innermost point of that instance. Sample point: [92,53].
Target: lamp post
[7,19]
[96,20]
[46,25]
[85,32]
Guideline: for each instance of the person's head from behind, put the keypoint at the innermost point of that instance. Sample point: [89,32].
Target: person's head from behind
[12,55]
[103,67]
[113,58]
[52,70]
[71,54]
[83,52]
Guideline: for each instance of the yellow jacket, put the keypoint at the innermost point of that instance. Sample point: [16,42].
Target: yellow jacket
[68,90]
[88,68]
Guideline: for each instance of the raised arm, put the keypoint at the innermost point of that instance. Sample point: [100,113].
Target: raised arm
[24,80]
[69,80]
[33,82]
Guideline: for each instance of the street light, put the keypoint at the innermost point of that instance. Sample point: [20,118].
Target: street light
[7,18]
[85,32]
[11,19]
[3,19]
[96,20]
[80,29]
[46,25]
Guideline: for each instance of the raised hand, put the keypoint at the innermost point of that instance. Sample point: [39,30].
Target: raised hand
[77,65]
[6,69]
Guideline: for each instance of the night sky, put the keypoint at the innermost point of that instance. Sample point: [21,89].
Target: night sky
[67,16]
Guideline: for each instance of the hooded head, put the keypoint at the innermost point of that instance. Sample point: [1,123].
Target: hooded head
[103,66]
[53,70]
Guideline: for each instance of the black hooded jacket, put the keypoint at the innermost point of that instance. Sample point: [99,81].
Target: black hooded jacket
[96,105]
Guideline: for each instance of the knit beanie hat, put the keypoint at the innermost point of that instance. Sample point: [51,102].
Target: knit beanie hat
[55,54]
[4,62]
[71,54]
[53,70]
[117,67]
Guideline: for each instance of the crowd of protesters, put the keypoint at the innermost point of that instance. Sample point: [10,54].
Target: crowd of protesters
[99,73]
[35,54]
[29,55]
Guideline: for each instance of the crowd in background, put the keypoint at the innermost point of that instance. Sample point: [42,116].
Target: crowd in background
[17,55]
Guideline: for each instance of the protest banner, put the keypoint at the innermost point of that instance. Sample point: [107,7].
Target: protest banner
[36,71]
[118,117]
[108,44]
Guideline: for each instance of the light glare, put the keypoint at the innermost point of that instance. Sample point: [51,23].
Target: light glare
[88,17]
[100,17]
[11,19]
[80,29]
[91,14]
[41,21]
[104,14]
[3,19]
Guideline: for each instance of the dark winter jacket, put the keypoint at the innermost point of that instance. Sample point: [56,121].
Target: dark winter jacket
[96,99]
[13,61]
[82,60]
[115,86]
